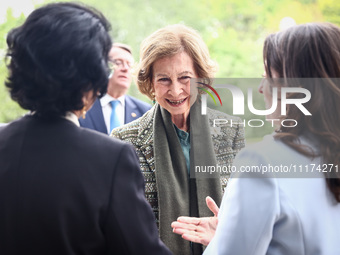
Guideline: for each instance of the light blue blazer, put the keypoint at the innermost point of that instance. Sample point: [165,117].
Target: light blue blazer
[276,216]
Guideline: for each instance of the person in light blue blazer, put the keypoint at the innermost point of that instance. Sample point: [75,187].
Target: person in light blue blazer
[291,204]
[103,116]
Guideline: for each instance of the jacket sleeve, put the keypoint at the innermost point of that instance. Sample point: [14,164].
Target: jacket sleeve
[249,210]
[130,225]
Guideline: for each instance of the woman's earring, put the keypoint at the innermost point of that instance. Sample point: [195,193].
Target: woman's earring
[153,98]
[84,112]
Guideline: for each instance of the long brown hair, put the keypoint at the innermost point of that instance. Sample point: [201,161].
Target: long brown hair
[311,51]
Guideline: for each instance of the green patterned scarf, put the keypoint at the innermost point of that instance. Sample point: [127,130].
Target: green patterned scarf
[179,195]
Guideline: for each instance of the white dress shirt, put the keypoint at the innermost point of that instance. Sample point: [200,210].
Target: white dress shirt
[107,109]
[72,117]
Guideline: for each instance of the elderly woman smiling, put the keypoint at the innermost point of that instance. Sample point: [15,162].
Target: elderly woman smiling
[173,136]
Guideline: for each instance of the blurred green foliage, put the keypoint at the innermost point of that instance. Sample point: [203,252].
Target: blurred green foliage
[9,110]
[234,31]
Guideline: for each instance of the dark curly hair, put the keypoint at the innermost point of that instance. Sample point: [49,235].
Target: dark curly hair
[60,52]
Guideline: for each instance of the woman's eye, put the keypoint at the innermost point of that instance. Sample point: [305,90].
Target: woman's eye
[163,79]
[185,78]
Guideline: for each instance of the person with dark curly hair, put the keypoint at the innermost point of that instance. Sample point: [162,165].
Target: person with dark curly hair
[66,189]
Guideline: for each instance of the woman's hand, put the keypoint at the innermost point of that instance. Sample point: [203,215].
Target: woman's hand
[198,230]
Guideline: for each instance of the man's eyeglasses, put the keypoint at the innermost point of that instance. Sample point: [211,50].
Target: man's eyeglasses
[117,63]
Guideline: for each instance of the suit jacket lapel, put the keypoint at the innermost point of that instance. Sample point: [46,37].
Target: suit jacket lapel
[96,116]
[130,110]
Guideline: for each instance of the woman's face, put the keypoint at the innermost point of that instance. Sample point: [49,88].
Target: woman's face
[171,83]
[266,89]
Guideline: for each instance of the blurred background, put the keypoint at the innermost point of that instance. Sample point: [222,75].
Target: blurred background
[234,31]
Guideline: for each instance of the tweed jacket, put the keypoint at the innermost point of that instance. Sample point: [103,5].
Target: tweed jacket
[227,141]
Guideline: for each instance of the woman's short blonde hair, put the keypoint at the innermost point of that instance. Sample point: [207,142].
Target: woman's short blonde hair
[167,42]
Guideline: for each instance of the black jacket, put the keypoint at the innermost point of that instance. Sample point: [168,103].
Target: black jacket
[70,190]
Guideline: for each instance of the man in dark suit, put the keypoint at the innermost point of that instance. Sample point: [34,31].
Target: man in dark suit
[64,189]
[127,108]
